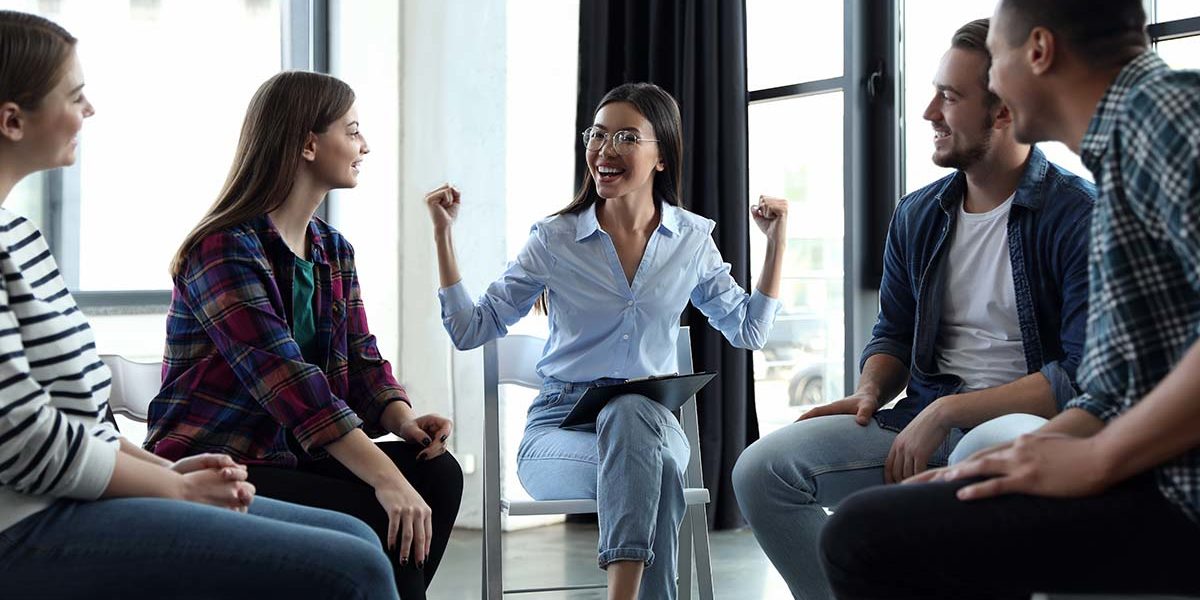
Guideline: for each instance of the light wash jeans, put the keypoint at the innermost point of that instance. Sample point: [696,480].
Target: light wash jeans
[633,465]
[784,480]
[156,548]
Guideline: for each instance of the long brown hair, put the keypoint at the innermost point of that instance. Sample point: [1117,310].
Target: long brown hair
[661,109]
[33,53]
[284,110]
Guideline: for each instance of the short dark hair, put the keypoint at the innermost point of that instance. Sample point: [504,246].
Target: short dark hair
[1105,33]
[973,37]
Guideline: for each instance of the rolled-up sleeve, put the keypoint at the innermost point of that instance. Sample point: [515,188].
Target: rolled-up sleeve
[1103,409]
[507,300]
[224,286]
[744,319]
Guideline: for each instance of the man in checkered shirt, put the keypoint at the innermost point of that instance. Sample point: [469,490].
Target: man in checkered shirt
[1106,496]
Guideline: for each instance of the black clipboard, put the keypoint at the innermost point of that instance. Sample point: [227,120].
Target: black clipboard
[671,391]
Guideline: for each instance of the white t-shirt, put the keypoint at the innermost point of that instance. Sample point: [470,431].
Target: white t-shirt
[980,335]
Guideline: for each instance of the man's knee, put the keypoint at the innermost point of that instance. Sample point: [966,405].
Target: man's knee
[762,469]
[996,431]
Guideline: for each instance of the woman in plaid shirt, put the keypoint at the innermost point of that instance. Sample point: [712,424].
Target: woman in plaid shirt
[269,358]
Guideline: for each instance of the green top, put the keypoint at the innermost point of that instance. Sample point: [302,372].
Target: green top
[304,324]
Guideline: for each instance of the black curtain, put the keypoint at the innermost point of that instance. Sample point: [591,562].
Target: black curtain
[694,49]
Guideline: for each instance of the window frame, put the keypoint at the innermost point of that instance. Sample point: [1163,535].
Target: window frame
[305,45]
[869,172]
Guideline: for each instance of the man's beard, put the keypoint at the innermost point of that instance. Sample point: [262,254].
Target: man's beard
[962,159]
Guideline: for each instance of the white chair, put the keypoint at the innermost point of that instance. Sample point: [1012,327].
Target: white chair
[511,360]
[134,385]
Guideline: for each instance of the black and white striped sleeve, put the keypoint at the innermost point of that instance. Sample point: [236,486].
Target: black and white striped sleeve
[42,450]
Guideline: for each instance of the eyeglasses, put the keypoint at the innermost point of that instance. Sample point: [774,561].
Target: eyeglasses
[623,142]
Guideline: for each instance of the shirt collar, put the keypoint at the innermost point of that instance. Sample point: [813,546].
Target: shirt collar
[1028,193]
[1099,133]
[587,224]
[278,248]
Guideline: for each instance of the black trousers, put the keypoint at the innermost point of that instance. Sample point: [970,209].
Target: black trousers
[327,484]
[920,541]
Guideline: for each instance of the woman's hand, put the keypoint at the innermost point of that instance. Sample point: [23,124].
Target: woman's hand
[430,430]
[770,214]
[409,519]
[443,204]
[200,462]
[224,487]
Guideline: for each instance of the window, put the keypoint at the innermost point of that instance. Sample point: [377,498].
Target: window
[926,37]
[1177,32]
[795,69]
[170,93]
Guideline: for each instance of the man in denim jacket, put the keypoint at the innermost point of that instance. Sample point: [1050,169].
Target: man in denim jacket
[983,305]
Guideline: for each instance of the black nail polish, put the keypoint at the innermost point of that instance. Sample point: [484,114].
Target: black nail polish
[403,562]
[421,566]
[443,438]
[427,441]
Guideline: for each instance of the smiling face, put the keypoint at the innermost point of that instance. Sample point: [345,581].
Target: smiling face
[959,112]
[337,154]
[616,175]
[1012,79]
[50,132]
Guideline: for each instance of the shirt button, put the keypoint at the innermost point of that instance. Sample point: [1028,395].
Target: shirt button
[630,303]
[625,337]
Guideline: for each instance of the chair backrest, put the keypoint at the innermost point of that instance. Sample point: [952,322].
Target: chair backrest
[517,357]
[134,385]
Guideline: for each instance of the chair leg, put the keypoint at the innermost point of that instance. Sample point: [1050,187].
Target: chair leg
[703,555]
[493,559]
[684,558]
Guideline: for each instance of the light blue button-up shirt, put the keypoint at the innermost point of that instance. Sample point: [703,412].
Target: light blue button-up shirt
[600,325]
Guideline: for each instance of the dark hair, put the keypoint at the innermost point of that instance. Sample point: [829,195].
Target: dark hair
[973,37]
[33,53]
[284,110]
[663,113]
[661,109]
[1104,33]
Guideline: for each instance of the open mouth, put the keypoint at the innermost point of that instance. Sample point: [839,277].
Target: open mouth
[608,174]
[940,134]
[356,165]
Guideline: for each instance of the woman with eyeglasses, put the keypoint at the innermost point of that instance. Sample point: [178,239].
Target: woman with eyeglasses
[85,513]
[614,271]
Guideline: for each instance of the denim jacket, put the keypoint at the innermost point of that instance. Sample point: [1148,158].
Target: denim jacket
[1047,241]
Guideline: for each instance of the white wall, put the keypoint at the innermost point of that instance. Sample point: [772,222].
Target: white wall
[488,104]
[452,129]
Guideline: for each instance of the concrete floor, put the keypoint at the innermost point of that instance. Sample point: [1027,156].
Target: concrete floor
[566,554]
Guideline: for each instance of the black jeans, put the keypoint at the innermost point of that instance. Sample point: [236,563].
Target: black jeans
[920,541]
[327,484]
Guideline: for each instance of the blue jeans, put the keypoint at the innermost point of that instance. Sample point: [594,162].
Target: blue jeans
[158,548]
[633,465]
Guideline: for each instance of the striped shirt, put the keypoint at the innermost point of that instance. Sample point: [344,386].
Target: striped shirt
[1143,144]
[53,386]
[234,379]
